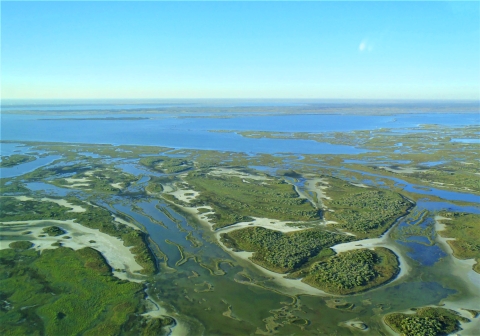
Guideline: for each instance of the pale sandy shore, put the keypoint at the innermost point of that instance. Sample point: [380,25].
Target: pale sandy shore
[272,224]
[77,180]
[462,269]
[373,243]
[117,255]
[294,286]
[61,202]
[234,172]
[155,310]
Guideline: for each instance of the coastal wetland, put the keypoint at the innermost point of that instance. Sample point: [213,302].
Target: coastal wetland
[223,240]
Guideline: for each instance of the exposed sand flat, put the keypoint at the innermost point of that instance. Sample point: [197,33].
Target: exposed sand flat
[118,185]
[401,170]
[77,180]
[61,202]
[272,224]
[119,220]
[185,195]
[311,185]
[361,185]
[90,172]
[155,310]
[233,172]
[462,269]
[117,255]
[167,188]
[76,185]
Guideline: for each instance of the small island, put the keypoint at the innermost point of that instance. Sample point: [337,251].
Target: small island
[15,159]
[427,321]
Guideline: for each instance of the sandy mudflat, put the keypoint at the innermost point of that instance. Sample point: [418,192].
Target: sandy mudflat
[311,185]
[184,195]
[407,170]
[61,202]
[462,269]
[117,255]
[272,224]
[77,180]
[233,172]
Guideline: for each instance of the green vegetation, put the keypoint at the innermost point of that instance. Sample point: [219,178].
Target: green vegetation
[67,292]
[353,271]
[154,185]
[101,179]
[54,231]
[15,159]
[282,252]
[11,186]
[235,199]
[94,217]
[20,245]
[427,321]
[465,228]
[165,164]
[365,212]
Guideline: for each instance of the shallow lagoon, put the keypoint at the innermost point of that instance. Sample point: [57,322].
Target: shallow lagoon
[195,133]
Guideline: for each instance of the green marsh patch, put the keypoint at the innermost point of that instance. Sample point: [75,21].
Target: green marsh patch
[465,228]
[282,252]
[353,271]
[366,212]
[15,159]
[64,292]
[235,199]
[165,164]
[427,321]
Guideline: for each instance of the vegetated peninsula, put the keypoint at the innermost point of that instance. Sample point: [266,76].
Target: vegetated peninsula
[427,321]
[15,159]
[465,229]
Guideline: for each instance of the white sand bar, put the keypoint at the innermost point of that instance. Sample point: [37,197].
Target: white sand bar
[61,202]
[117,255]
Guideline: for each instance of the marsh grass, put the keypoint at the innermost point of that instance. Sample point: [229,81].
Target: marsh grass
[427,321]
[64,292]
[465,228]
[235,199]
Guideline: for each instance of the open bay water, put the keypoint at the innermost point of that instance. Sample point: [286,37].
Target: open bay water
[169,130]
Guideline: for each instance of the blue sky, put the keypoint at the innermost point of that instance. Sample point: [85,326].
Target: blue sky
[359,50]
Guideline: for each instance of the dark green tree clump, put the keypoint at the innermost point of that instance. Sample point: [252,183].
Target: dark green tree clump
[54,231]
[20,245]
[427,321]
[282,252]
[353,271]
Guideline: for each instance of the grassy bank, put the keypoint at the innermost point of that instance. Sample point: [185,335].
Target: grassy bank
[67,292]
